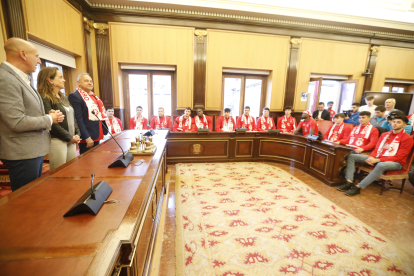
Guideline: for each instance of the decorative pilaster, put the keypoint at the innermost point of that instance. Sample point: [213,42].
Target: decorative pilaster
[104,63]
[16,18]
[292,71]
[200,51]
[372,62]
[88,25]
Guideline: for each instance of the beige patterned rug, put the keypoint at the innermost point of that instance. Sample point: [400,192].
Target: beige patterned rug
[239,219]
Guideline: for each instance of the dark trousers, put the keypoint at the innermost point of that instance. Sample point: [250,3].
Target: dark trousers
[22,172]
[83,148]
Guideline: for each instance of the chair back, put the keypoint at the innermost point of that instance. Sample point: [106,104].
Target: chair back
[381,130]
[351,126]
[410,157]
[324,126]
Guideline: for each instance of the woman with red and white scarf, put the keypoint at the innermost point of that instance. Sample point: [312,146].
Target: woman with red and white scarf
[286,123]
[265,122]
[389,154]
[246,121]
[138,122]
[161,121]
[363,137]
[226,123]
[338,131]
[185,123]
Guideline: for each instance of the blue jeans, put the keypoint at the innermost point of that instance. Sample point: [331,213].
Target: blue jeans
[22,172]
[375,174]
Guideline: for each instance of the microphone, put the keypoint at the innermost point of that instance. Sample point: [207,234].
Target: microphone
[124,159]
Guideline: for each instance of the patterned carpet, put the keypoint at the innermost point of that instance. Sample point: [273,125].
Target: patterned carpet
[239,219]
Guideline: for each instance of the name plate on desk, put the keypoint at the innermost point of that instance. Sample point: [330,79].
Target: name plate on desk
[313,137]
[241,130]
[273,131]
[203,130]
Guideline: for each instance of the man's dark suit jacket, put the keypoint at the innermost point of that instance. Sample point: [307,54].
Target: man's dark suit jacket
[325,115]
[87,128]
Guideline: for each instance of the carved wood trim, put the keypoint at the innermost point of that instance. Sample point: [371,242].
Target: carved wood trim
[292,71]
[371,64]
[15,15]
[88,25]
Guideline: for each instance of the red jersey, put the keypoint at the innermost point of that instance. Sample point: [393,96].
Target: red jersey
[224,124]
[114,125]
[364,137]
[286,125]
[204,122]
[336,133]
[396,148]
[246,122]
[265,123]
[138,123]
[307,126]
[158,122]
[181,124]
[332,113]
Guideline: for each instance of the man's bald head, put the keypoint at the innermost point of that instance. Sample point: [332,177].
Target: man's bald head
[21,54]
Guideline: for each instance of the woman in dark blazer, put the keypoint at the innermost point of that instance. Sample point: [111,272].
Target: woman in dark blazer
[65,135]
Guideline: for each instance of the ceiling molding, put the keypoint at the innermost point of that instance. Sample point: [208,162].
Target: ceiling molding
[253,19]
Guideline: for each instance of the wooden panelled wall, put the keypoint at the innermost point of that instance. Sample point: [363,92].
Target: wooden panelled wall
[201,54]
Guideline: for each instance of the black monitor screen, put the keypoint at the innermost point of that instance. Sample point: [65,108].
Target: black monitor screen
[403,100]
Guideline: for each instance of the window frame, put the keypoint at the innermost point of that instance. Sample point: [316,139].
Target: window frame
[65,73]
[243,78]
[150,74]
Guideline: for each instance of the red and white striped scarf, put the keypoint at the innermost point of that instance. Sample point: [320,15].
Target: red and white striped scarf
[138,122]
[268,121]
[199,123]
[367,131]
[187,122]
[247,122]
[334,138]
[113,124]
[228,124]
[285,122]
[98,107]
[160,124]
[391,148]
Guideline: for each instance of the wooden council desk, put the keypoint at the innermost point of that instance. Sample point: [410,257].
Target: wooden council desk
[35,238]
[323,160]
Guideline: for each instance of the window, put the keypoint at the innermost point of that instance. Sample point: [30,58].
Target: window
[149,89]
[46,63]
[395,87]
[242,90]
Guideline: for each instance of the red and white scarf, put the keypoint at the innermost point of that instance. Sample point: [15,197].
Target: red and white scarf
[138,122]
[187,123]
[199,123]
[92,106]
[228,124]
[286,122]
[334,137]
[247,122]
[159,124]
[268,122]
[360,142]
[113,124]
[392,148]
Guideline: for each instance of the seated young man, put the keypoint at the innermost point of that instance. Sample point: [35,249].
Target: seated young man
[389,154]
[338,131]
[138,122]
[265,122]
[379,118]
[363,137]
[387,123]
[286,123]
[226,123]
[114,124]
[185,123]
[246,121]
[308,125]
[161,121]
[331,111]
[354,118]
[203,121]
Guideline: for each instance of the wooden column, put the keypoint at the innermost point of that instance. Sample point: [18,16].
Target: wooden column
[372,62]
[200,49]
[292,71]
[15,17]
[104,63]
[88,24]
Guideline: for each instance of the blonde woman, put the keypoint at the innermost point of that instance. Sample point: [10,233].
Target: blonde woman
[389,106]
[65,135]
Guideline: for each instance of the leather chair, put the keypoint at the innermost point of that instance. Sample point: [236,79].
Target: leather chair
[324,126]
[402,174]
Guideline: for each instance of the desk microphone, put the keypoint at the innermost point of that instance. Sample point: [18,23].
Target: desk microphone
[124,159]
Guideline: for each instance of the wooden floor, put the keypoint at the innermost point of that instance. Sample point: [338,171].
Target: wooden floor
[391,214]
